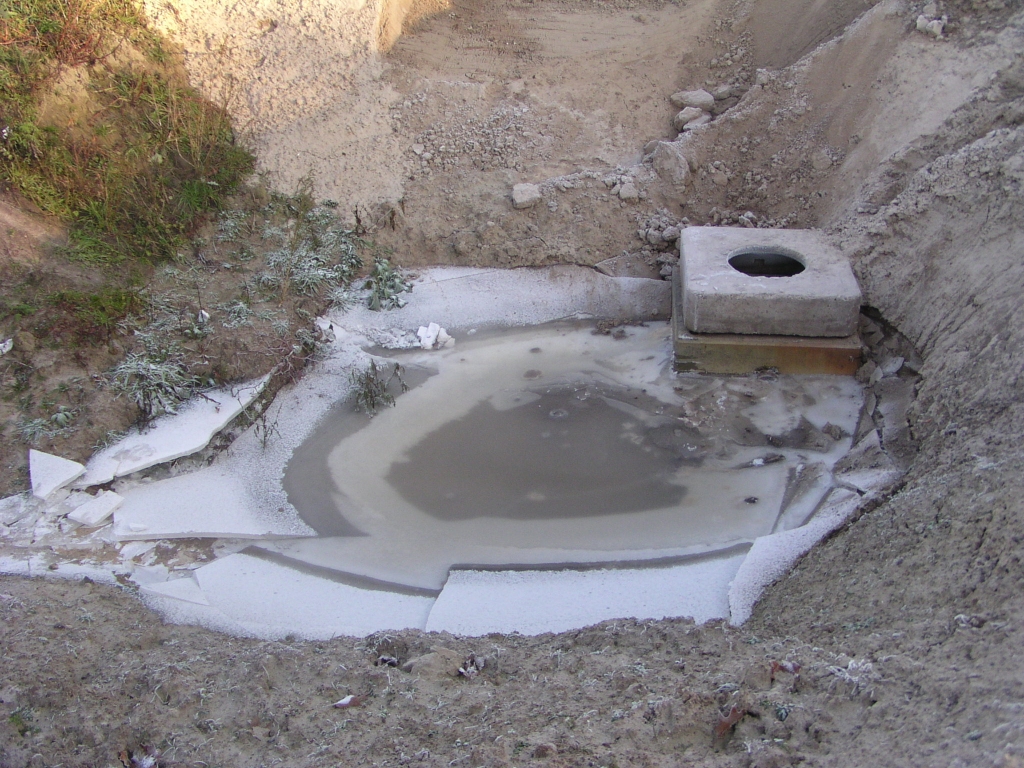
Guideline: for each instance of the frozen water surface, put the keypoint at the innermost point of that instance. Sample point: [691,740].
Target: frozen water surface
[560,445]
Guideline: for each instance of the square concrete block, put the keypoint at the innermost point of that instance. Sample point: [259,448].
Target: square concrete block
[776,282]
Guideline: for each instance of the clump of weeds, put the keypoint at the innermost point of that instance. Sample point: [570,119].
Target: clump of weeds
[386,286]
[372,387]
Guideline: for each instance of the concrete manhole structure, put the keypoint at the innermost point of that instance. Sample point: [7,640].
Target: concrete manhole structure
[751,298]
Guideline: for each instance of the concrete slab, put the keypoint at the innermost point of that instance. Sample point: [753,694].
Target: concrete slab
[95,511]
[460,298]
[211,503]
[728,287]
[173,436]
[477,602]
[50,473]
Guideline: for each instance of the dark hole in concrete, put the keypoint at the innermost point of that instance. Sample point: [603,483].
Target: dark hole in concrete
[766,262]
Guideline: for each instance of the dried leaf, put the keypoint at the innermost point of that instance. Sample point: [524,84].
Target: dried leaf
[726,723]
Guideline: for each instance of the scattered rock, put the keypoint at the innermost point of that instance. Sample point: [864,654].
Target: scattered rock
[685,116]
[629,193]
[723,92]
[440,663]
[934,27]
[700,99]
[671,165]
[25,342]
[821,161]
[545,750]
[704,119]
[525,195]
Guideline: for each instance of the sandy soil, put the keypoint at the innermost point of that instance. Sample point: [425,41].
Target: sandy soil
[906,624]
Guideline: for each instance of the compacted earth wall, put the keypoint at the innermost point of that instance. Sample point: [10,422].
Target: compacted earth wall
[895,642]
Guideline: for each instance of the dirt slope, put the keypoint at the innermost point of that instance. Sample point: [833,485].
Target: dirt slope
[906,625]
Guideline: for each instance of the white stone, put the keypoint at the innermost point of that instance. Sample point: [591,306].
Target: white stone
[6,347]
[933,27]
[700,99]
[96,510]
[173,436]
[525,195]
[822,301]
[428,335]
[50,473]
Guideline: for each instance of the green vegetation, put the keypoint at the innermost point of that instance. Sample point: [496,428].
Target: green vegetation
[136,157]
[386,285]
[97,314]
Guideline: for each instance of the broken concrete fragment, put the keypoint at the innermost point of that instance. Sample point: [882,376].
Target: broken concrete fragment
[50,473]
[95,511]
[700,99]
[525,195]
[685,116]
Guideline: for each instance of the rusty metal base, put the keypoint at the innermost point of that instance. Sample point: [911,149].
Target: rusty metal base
[734,354]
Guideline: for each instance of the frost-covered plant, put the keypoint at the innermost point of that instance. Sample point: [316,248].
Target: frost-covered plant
[34,430]
[58,425]
[237,313]
[371,387]
[342,298]
[229,226]
[386,285]
[155,385]
[320,254]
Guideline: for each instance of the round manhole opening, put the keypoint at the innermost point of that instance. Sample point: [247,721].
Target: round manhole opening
[766,262]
